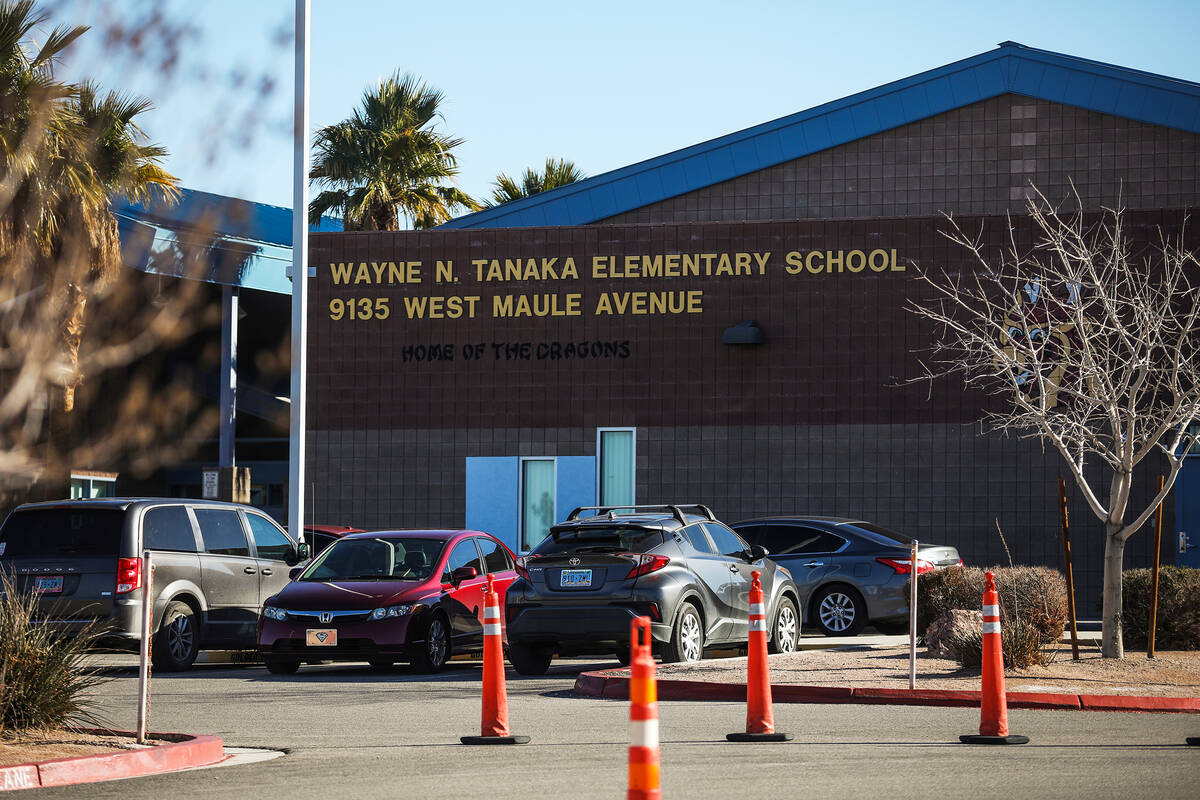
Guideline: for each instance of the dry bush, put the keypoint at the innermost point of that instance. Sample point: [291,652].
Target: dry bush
[1021,642]
[1177,623]
[1036,596]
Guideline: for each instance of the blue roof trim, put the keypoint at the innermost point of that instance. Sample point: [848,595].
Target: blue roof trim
[251,242]
[1011,68]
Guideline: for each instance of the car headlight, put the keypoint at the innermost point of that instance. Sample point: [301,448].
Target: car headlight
[274,613]
[392,611]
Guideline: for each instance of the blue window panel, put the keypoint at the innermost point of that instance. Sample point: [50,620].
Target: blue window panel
[964,88]
[841,126]
[865,117]
[890,111]
[579,208]
[576,484]
[768,146]
[1079,90]
[626,193]
[816,133]
[673,180]
[695,170]
[915,102]
[649,186]
[492,502]
[720,165]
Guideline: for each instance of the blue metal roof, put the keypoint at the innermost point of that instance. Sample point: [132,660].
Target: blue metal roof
[1011,68]
[251,242]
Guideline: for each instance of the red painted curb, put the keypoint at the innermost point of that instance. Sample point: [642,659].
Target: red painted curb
[1177,705]
[615,686]
[181,752]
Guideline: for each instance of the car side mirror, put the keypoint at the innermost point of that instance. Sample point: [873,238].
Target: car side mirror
[757,551]
[463,574]
[294,573]
[301,553]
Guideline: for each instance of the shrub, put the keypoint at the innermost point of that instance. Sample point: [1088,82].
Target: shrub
[1020,640]
[44,681]
[1177,624]
[1036,596]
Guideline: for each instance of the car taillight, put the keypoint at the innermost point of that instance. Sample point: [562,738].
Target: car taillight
[522,569]
[647,564]
[904,565]
[129,575]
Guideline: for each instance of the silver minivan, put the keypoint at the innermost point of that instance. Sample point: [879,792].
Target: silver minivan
[214,563]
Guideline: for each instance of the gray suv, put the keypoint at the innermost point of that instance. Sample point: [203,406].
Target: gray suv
[214,563]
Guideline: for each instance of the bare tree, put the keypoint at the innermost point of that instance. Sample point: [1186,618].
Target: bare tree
[1086,342]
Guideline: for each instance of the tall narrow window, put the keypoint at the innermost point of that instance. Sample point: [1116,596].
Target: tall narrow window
[537,500]
[615,465]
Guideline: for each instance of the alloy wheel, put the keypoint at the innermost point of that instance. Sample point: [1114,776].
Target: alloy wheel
[837,611]
[435,643]
[180,637]
[689,637]
[785,630]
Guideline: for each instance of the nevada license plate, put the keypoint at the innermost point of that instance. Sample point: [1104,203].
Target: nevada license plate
[575,577]
[321,637]
[48,585]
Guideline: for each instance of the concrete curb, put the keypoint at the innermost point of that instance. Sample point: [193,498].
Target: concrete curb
[182,752]
[608,685]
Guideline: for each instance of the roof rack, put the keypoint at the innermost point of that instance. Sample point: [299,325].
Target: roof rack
[676,510]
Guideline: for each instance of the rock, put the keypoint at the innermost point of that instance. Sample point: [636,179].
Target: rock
[942,631]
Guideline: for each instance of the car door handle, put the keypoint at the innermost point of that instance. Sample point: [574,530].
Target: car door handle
[814,564]
[266,572]
[733,568]
[249,570]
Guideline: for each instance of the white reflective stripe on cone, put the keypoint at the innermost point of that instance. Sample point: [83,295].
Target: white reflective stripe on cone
[643,733]
[991,611]
[991,627]
[491,615]
[756,608]
[491,629]
[758,625]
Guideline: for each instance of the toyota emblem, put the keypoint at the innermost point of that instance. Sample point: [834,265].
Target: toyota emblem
[574,562]
[326,617]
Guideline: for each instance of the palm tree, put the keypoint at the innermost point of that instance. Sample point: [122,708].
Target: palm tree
[386,160]
[558,172]
[64,151]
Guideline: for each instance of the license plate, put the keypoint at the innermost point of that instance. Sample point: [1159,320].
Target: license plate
[48,585]
[321,637]
[575,577]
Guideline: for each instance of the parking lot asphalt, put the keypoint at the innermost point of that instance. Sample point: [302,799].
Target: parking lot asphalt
[352,732]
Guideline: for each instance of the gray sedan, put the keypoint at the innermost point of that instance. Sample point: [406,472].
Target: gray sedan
[850,572]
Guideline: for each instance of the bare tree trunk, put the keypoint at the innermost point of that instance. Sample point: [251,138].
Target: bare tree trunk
[1111,642]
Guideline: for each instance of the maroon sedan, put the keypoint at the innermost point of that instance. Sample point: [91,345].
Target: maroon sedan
[386,596]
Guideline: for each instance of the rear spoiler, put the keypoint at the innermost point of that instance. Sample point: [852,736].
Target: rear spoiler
[676,510]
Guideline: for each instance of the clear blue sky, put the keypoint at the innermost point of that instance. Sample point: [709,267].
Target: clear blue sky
[602,84]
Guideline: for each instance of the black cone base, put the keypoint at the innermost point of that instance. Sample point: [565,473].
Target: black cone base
[494,739]
[758,737]
[981,739]
[1194,741]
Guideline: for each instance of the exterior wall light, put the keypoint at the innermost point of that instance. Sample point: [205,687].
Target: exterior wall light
[743,333]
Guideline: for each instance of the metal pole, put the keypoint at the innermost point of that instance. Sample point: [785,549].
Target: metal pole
[229,326]
[1158,515]
[144,656]
[1066,532]
[299,277]
[912,619]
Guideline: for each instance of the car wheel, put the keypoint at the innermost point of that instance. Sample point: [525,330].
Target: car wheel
[177,641]
[434,652]
[622,656]
[281,666]
[785,633]
[839,611]
[528,659]
[687,639]
[891,628]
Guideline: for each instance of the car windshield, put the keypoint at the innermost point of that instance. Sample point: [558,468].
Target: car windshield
[881,534]
[599,540]
[58,532]
[376,559]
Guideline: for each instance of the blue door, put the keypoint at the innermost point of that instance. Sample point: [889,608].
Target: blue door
[1187,513]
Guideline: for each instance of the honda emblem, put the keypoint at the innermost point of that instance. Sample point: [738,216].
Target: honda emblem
[326,617]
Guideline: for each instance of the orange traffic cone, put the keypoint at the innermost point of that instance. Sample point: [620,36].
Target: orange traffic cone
[495,696]
[643,716]
[993,705]
[760,719]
